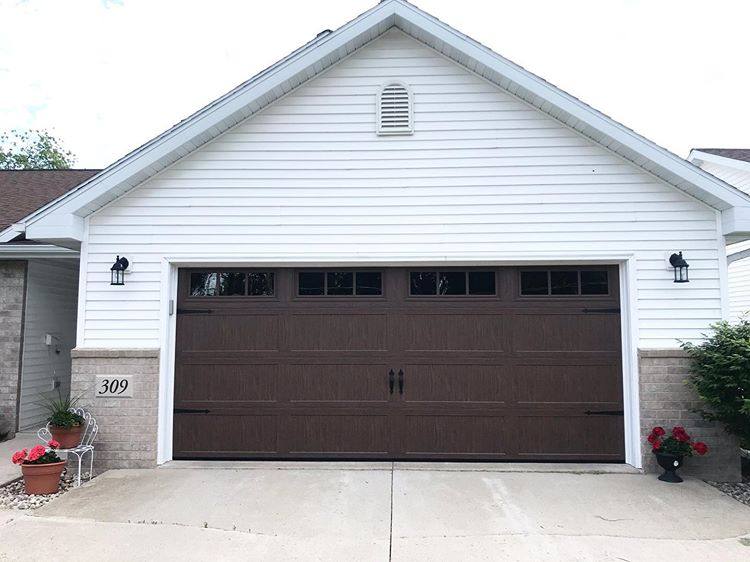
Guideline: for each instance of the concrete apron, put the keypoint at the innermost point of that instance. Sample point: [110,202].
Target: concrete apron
[377,512]
[572,468]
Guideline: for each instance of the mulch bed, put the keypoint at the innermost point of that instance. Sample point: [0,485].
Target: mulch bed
[738,490]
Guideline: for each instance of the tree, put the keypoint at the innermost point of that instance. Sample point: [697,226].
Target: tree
[720,375]
[34,149]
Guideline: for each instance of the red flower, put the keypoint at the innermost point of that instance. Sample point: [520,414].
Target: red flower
[679,433]
[652,438]
[658,431]
[656,444]
[37,452]
[53,444]
[700,448]
[19,456]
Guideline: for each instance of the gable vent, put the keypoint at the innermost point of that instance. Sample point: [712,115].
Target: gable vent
[395,110]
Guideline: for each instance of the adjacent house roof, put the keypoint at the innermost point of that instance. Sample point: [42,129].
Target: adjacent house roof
[733,153]
[24,191]
[62,221]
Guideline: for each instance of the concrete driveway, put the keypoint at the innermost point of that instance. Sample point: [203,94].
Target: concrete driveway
[382,511]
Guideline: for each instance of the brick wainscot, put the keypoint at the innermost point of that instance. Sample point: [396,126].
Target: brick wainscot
[127,426]
[667,401]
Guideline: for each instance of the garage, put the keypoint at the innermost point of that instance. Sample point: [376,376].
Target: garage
[418,363]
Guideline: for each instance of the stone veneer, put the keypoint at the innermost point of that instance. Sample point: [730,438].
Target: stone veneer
[127,426]
[667,401]
[12,291]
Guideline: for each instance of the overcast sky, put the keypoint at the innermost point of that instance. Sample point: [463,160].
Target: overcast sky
[106,76]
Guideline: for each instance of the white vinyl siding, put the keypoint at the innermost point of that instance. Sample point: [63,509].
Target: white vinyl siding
[51,306]
[739,288]
[483,173]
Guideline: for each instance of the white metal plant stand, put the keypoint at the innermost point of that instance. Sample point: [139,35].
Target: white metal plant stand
[90,429]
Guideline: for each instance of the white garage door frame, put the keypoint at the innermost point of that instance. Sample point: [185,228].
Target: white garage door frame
[628,317]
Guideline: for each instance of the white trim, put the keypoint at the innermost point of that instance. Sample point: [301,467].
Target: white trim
[628,318]
[82,280]
[721,244]
[168,329]
[698,156]
[21,251]
[12,231]
[630,375]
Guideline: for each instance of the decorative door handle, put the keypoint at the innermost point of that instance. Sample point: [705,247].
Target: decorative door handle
[400,381]
[391,380]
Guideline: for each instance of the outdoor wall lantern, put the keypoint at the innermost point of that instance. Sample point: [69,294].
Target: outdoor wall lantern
[118,271]
[680,268]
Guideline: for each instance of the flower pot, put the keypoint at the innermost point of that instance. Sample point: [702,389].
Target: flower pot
[42,478]
[68,437]
[670,464]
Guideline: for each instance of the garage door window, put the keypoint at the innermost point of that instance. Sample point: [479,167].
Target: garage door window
[564,282]
[340,283]
[446,283]
[231,284]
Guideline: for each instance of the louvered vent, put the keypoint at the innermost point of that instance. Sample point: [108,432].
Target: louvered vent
[394,110]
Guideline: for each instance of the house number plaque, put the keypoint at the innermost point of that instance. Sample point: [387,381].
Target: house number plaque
[114,386]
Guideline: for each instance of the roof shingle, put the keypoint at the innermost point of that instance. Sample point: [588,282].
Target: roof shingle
[734,153]
[24,191]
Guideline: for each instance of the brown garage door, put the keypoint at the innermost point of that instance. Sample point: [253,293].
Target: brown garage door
[395,363]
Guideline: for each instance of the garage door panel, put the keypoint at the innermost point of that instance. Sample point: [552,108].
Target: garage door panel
[352,434]
[458,382]
[246,383]
[453,435]
[224,435]
[572,437]
[338,332]
[566,332]
[568,384]
[219,332]
[495,378]
[453,332]
[336,382]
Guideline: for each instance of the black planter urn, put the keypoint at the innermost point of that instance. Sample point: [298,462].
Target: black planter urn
[670,464]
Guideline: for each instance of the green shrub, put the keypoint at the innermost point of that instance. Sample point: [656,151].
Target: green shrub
[58,410]
[720,375]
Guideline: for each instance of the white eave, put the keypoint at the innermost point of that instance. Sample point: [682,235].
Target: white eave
[31,251]
[62,218]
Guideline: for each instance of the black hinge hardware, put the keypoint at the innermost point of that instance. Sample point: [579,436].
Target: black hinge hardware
[400,381]
[194,311]
[391,381]
[604,412]
[190,411]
